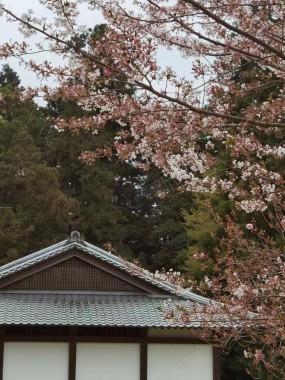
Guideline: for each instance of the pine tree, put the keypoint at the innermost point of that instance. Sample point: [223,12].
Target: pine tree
[34,210]
[100,218]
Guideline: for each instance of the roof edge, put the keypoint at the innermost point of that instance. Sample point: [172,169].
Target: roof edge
[75,241]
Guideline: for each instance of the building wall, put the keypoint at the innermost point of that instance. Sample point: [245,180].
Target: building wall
[110,357]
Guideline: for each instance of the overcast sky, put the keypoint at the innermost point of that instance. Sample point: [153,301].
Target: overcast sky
[9,32]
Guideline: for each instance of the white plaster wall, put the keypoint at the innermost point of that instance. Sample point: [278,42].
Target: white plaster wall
[180,362]
[35,361]
[108,361]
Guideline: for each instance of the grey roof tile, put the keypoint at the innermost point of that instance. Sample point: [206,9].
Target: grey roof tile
[86,310]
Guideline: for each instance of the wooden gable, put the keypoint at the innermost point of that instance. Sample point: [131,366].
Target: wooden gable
[76,271]
[72,274]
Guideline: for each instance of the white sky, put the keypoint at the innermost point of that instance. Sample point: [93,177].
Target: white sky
[9,32]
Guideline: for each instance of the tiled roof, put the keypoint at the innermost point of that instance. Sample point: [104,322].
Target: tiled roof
[75,242]
[86,310]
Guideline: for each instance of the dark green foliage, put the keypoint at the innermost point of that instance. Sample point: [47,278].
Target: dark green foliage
[100,219]
[117,202]
[236,367]
[156,232]
[8,77]
[34,211]
[167,241]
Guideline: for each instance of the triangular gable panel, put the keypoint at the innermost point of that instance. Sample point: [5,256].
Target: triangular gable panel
[75,270]
[77,265]
[73,274]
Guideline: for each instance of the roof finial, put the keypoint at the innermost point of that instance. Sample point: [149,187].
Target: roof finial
[75,236]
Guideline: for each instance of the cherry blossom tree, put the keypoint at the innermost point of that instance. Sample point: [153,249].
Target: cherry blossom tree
[247,289]
[176,123]
[218,129]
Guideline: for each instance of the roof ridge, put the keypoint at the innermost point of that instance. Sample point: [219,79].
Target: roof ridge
[30,256]
[75,241]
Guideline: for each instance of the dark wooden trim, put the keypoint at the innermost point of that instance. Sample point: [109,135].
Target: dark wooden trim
[40,338]
[174,340]
[72,360]
[92,334]
[216,363]
[45,338]
[106,339]
[1,358]
[143,356]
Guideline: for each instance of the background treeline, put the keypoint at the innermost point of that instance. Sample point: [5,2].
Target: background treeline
[47,190]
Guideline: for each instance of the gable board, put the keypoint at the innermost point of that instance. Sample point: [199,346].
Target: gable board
[75,265]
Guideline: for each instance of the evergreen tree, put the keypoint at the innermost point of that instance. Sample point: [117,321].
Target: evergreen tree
[100,219]
[165,246]
[156,231]
[8,77]
[118,203]
[34,210]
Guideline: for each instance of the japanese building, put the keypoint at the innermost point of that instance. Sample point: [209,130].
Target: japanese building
[73,311]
